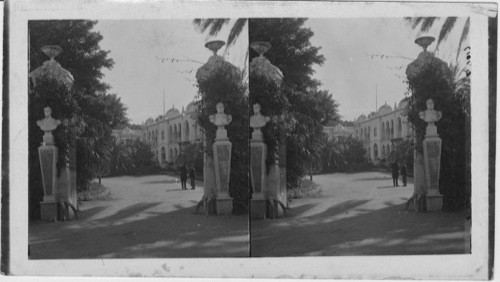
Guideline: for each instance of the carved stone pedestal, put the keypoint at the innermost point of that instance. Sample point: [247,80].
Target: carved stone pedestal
[48,211]
[276,189]
[222,162]
[258,153]
[432,161]
[224,205]
[48,160]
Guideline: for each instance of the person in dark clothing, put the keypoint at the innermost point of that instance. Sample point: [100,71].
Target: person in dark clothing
[184,176]
[192,176]
[404,173]
[395,174]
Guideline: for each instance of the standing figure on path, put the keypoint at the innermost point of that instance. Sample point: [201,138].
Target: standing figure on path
[404,173]
[184,176]
[395,174]
[192,176]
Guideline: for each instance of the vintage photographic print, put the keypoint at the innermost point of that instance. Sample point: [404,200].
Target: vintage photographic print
[226,139]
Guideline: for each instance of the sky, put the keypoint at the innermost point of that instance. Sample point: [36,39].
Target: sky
[357,80]
[139,75]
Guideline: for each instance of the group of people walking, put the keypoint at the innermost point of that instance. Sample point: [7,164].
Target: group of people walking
[395,173]
[184,176]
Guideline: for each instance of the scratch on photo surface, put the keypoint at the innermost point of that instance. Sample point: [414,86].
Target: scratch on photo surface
[19,132]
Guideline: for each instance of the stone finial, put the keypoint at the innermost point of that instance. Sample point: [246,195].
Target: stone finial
[48,124]
[51,69]
[261,65]
[257,121]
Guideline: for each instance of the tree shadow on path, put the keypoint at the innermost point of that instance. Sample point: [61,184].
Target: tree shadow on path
[177,233]
[348,229]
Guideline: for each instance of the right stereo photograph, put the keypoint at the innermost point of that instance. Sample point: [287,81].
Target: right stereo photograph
[360,136]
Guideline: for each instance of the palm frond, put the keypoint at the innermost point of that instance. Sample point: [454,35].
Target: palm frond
[236,31]
[465,33]
[446,29]
[414,22]
[217,25]
[427,23]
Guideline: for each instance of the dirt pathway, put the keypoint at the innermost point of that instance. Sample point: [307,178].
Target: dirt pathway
[147,217]
[359,214]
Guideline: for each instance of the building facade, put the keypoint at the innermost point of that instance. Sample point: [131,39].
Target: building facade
[338,130]
[381,130]
[127,134]
[167,134]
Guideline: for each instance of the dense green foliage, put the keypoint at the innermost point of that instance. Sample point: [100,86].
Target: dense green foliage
[193,153]
[91,112]
[131,156]
[298,105]
[225,86]
[402,153]
[341,153]
[453,101]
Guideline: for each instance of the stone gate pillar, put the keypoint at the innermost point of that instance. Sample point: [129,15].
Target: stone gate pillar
[258,155]
[57,189]
[426,163]
[273,185]
[432,157]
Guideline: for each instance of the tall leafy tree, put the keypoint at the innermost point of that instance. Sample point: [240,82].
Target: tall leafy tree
[306,107]
[89,109]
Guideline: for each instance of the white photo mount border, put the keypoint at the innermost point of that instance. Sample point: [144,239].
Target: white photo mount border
[472,266]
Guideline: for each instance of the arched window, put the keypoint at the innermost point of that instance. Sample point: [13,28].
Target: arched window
[179,132]
[383,131]
[186,130]
[175,133]
[170,155]
[170,140]
[375,151]
[163,155]
[400,128]
[387,130]
[383,152]
[175,155]
[163,135]
[392,128]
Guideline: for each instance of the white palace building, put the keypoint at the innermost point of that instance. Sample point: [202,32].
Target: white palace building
[380,130]
[169,132]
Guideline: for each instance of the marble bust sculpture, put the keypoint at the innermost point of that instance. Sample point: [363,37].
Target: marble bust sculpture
[48,124]
[257,121]
[220,119]
[430,115]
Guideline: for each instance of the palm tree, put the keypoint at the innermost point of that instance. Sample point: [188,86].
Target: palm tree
[425,23]
[119,156]
[331,153]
